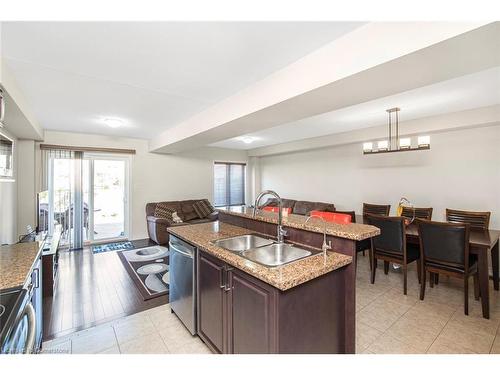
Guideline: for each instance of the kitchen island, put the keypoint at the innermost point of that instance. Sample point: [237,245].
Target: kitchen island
[307,306]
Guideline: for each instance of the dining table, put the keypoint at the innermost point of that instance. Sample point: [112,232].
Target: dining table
[482,243]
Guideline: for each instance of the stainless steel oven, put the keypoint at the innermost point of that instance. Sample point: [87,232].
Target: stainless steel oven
[19,330]
[21,316]
[182,288]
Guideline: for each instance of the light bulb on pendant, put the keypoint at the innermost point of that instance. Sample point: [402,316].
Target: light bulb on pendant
[383,145]
[424,141]
[368,147]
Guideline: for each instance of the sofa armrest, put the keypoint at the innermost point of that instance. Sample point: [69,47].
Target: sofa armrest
[157,220]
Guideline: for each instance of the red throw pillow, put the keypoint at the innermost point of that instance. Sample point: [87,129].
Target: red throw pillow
[333,217]
[275,209]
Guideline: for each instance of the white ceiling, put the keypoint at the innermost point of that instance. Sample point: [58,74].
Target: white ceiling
[151,75]
[466,92]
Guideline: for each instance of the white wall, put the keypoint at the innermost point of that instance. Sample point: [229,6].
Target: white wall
[462,170]
[8,202]
[26,202]
[156,177]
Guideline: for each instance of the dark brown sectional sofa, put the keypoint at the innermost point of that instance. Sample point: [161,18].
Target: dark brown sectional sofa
[157,227]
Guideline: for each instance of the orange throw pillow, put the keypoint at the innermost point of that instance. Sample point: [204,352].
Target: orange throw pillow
[275,209]
[333,217]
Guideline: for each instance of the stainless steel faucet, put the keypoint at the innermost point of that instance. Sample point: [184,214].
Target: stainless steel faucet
[325,246]
[281,232]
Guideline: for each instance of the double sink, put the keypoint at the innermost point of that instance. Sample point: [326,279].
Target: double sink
[263,250]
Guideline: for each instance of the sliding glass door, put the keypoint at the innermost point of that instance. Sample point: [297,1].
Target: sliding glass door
[61,194]
[88,196]
[105,194]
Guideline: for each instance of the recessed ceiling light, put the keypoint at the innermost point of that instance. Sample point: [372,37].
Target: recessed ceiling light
[113,122]
[247,140]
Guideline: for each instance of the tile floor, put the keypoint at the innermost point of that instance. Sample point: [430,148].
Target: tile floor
[154,331]
[387,323]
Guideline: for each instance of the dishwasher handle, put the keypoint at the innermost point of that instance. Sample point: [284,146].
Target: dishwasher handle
[185,253]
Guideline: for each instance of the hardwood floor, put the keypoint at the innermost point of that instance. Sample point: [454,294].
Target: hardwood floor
[92,289]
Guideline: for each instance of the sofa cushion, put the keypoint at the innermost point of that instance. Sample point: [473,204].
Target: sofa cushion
[305,207]
[163,211]
[209,205]
[203,208]
[187,211]
[273,202]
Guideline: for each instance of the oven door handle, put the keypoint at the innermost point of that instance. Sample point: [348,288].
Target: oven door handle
[29,310]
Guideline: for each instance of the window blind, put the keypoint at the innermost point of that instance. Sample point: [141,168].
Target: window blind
[229,184]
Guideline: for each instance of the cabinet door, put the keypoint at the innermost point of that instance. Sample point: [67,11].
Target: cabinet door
[36,300]
[252,315]
[211,301]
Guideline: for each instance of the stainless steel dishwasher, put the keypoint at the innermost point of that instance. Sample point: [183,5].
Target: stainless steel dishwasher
[182,288]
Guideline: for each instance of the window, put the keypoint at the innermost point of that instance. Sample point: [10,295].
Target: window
[229,184]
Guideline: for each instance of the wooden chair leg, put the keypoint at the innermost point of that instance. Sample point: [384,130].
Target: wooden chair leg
[373,260]
[431,279]
[466,295]
[422,283]
[476,286]
[386,267]
[436,278]
[370,258]
[419,271]
[405,277]
[364,252]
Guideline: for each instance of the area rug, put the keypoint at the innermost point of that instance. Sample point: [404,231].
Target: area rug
[114,246]
[148,268]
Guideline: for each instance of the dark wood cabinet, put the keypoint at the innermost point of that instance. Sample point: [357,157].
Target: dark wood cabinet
[235,310]
[250,314]
[211,301]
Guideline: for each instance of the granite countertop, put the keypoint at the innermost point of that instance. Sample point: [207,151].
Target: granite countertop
[353,231]
[283,277]
[16,262]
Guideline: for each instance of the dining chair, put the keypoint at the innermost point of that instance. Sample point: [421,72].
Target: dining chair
[417,212]
[444,249]
[476,219]
[413,213]
[376,209]
[391,247]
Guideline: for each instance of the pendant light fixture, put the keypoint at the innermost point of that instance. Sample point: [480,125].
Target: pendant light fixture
[394,143]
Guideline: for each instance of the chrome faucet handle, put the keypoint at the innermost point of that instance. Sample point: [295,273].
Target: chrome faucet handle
[326,246]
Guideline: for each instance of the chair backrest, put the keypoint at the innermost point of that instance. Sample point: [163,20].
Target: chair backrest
[351,213]
[476,219]
[392,233]
[417,212]
[446,243]
[376,209]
